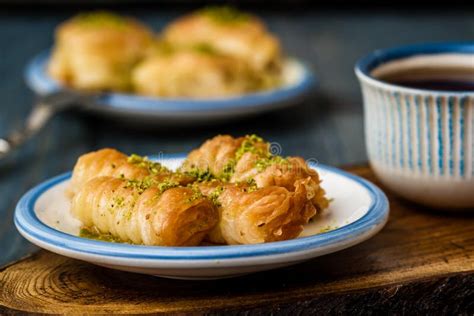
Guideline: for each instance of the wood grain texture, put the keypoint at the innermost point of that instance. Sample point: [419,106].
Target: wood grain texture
[420,262]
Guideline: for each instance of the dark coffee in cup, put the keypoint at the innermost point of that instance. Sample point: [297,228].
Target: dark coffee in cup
[441,72]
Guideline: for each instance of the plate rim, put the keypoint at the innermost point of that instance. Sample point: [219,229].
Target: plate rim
[32,228]
[37,80]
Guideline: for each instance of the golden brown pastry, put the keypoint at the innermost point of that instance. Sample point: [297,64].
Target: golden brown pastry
[230,32]
[131,211]
[248,159]
[284,173]
[193,73]
[248,215]
[229,191]
[110,162]
[214,155]
[96,51]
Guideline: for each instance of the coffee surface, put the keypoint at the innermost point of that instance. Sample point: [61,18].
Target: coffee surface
[438,85]
[443,72]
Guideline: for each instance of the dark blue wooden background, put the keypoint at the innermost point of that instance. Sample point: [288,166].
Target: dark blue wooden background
[327,127]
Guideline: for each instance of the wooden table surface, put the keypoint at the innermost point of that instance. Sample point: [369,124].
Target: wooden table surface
[328,126]
[421,263]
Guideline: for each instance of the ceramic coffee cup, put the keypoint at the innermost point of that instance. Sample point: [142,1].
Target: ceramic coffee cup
[419,117]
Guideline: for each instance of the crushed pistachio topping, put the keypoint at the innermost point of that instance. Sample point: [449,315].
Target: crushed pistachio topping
[214,196]
[166,185]
[94,233]
[139,185]
[163,48]
[143,162]
[224,14]
[252,185]
[167,49]
[199,174]
[197,194]
[249,145]
[327,229]
[264,163]
[228,170]
[118,201]
[127,215]
[100,19]
[249,186]
[204,48]
[266,159]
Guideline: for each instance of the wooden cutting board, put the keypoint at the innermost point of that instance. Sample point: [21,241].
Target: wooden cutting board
[422,261]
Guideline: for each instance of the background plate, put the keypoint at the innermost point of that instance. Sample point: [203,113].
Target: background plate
[298,82]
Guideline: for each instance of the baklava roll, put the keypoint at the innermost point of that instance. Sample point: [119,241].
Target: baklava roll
[162,215]
[214,156]
[231,32]
[250,216]
[284,172]
[111,162]
[193,73]
[250,159]
[97,51]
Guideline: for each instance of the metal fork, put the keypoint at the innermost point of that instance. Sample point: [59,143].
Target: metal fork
[44,109]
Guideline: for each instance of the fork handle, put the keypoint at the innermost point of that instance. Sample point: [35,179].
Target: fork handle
[46,107]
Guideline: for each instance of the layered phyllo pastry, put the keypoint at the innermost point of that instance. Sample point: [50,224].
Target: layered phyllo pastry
[195,72]
[213,52]
[228,191]
[97,51]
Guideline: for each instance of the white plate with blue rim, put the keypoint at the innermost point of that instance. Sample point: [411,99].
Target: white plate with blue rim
[297,83]
[357,212]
